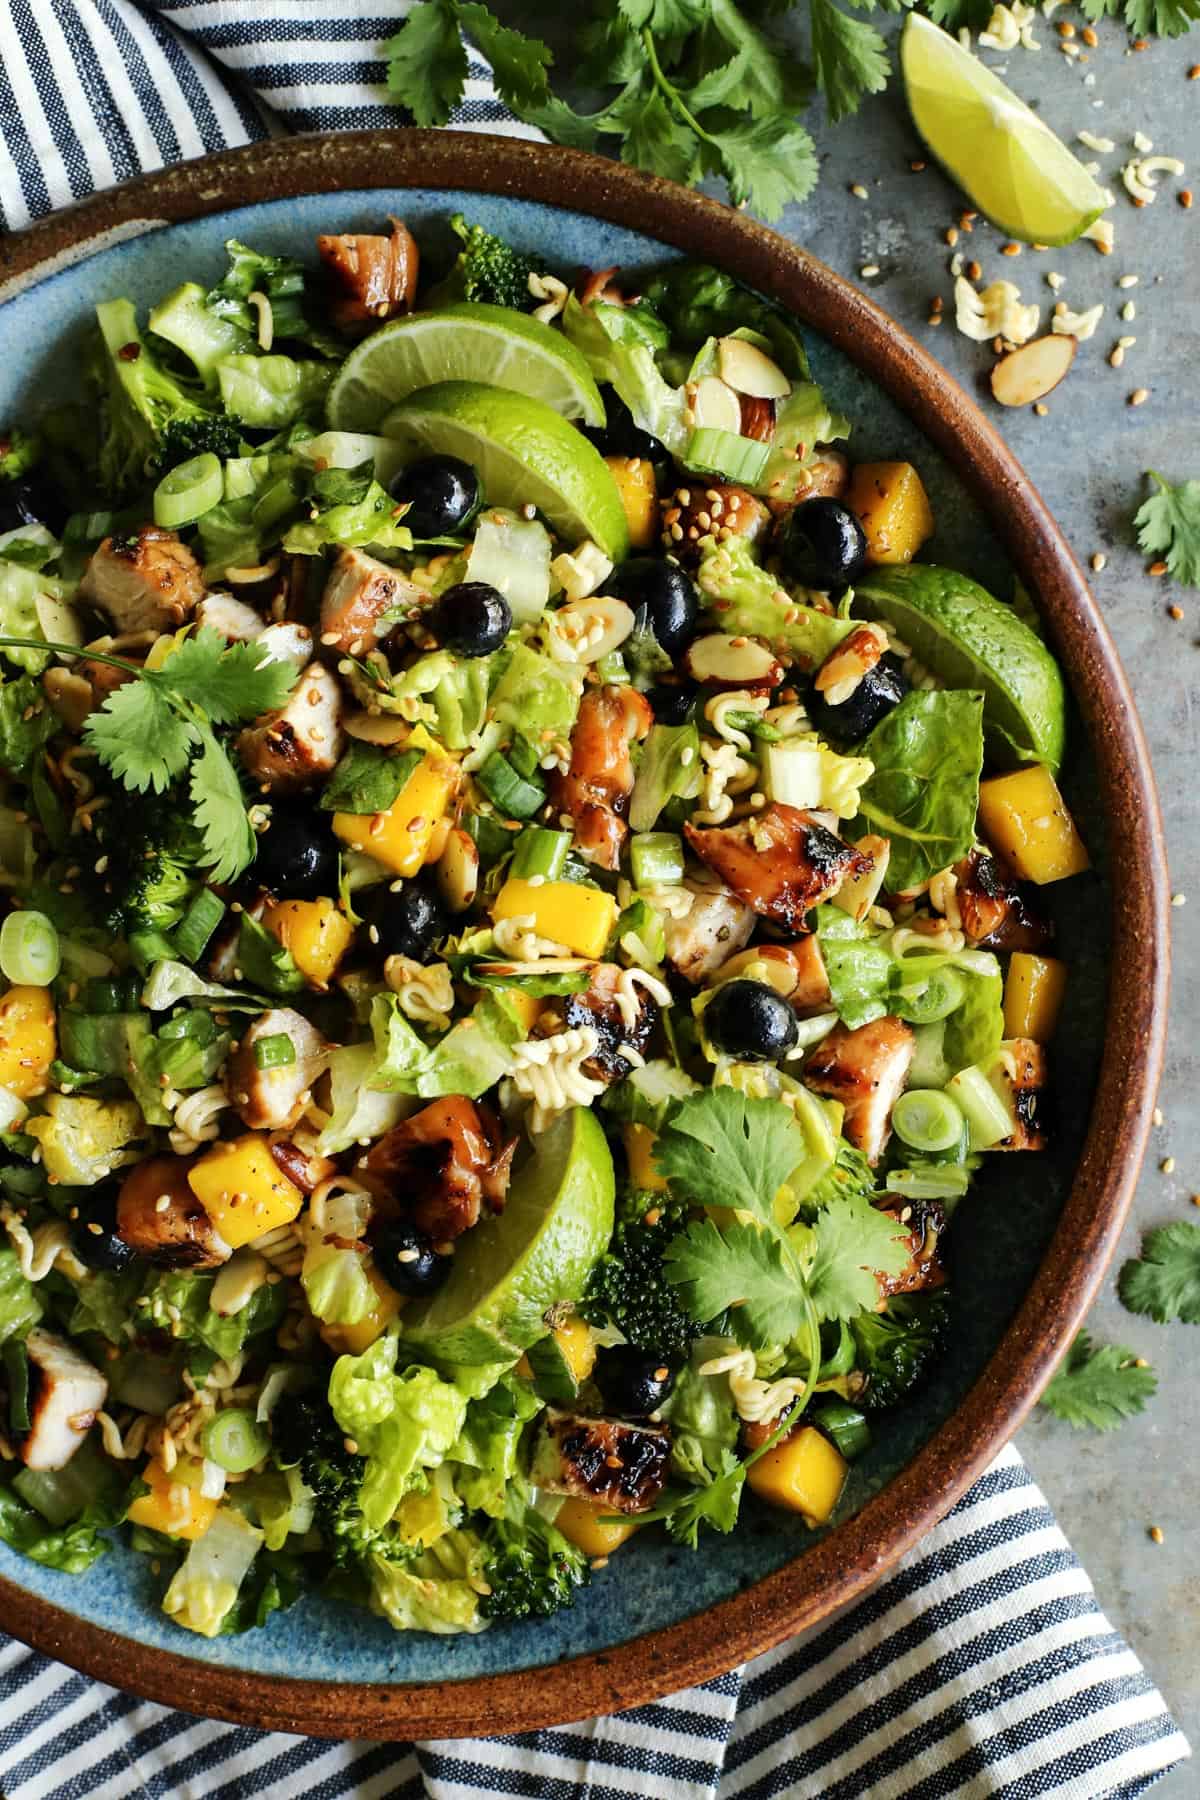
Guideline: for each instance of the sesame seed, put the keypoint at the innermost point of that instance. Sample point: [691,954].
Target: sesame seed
[1099,561]
[1184,197]
[1128,281]
[1194,72]
[1156,1534]
[869,269]
[859,191]
[918,168]
[1065,29]
[1129,310]
[1116,357]
[950,236]
[1167,1165]
[1089,37]
[351,1446]
[1126,343]
[1010,249]
[1178,899]
[1041,410]
[1157,569]
[1156,1117]
[1175,612]
[1139,396]
[974,270]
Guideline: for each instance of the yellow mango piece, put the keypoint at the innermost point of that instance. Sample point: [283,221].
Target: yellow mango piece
[28,1042]
[805,1473]
[1033,993]
[315,932]
[893,509]
[1025,818]
[175,1506]
[639,1152]
[575,1341]
[568,913]
[526,1006]
[401,837]
[352,1340]
[636,484]
[243,1190]
[585,1526]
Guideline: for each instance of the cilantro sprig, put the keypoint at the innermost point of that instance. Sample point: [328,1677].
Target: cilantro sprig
[1099,1386]
[151,729]
[1164,1282]
[1168,525]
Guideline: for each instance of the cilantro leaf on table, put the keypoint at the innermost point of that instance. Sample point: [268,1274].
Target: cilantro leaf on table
[1098,1387]
[740,1268]
[427,63]
[850,58]
[1164,1282]
[723,1149]
[853,1240]
[1168,523]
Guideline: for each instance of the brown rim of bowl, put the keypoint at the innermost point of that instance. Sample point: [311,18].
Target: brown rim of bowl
[841,1566]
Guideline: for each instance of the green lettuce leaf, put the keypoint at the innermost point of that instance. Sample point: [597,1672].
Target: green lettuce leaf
[403,1421]
[924,793]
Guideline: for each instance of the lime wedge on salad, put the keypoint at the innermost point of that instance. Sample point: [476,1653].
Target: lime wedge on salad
[972,640]
[524,452]
[465,342]
[511,1269]
[1000,153]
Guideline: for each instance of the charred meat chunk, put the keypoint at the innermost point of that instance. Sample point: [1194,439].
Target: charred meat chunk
[145,580]
[623,1467]
[1021,1069]
[595,790]
[926,1221]
[866,1070]
[997,912]
[616,1021]
[159,1216]
[781,862]
[301,743]
[441,1165]
[373,277]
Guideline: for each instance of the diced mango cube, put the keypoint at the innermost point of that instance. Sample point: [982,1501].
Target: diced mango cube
[585,1526]
[526,1006]
[566,912]
[400,838]
[1033,994]
[315,932]
[352,1340]
[28,1043]
[1025,818]
[175,1506]
[638,488]
[893,510]
[243,1190]
[577,1346]
[639,1152]
[805,1473]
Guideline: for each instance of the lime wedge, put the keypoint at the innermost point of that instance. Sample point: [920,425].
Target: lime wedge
[524,452]
[972,640]
[465,342]
[1005,159]
[510,1270]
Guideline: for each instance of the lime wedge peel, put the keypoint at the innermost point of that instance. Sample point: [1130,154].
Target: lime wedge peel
[1004,157]
[465,342]
[513,1268]
[525,453]
[972,640]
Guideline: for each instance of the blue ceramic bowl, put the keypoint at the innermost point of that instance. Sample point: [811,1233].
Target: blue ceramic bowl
[108,1620]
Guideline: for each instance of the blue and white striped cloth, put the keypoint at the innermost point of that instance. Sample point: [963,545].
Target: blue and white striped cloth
[982,1667]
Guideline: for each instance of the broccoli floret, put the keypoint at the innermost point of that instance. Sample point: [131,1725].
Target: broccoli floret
[152,849]
[20,451]
[851,1174]
[530,1567]
[487,269]
[897,1347]
[191,436]
[305,1435]
[140,400]
[628,1287]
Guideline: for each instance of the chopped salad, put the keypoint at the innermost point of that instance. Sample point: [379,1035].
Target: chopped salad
[522,921]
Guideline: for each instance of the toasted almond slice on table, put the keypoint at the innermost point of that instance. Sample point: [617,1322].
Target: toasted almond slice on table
[1033,371]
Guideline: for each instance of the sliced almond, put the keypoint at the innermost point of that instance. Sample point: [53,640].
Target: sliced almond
[745,367]
[1033,371]
[758,419]
[585,631]
[715,406]
[732,662]
[458,871]
[376,728]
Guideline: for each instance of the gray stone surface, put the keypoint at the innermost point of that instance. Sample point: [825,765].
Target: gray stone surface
[1087,455]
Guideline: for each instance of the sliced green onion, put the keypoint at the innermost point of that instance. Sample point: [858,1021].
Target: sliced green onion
[16,1380]
[540,852]
[149,947]
[656,858]
[29,952]
[713,452]
[106,996]
[947,1184]
[928,1120]
[234,1440]
[507,790]
[275,1052]
[611,668]
[186,493]
[490,838]
[195,1025]
[845,1426]
[198,924]
[932,997]
[982,1107]
[523,756]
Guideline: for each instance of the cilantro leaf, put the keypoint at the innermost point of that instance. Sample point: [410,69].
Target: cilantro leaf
[656,141]
[1168,524]
[853,1241]
[766,162]
[716,1504]
[1163,18]
[850,58]
[1098,1387]
[723,1149]
[427,62]
[229,842]
[519,63]
[1165,1281]
[230,683]
[139,736]
[742,1268]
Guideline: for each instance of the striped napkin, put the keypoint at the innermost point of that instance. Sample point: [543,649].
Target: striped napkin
[982,1666]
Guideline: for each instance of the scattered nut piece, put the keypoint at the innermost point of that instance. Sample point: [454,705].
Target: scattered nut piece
[1102,145]
[1139,397]
[1099,561]
[1102,234]
[997,311]
[1139,174]
[1080,325]
[1156,1534]
[1035,370]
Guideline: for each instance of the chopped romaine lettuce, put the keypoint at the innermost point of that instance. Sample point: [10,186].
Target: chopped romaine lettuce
[754,604]
[403,1421]
[205,1585]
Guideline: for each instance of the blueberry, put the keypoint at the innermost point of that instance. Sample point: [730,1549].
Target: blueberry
[407,1261]
[472,618]
[100,1248]
[405,920]
[633,1382]
[296,857]
[880,689]
[619,436]
[27,503]
[749,1020]
[441,493]
[663,597]
[821,544]
[673,705]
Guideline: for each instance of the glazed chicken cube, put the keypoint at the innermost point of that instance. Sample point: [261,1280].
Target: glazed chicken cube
[866,1070]
[65,1394]
[302,742]
[159,1216]
[359,591]
[596,788]
[623,1467]
[997,912]
[144,581]
[714,927]
[373,277]
[925,1221]
[441,1165]
[781,861]
[274,1098]
[1020,1075]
